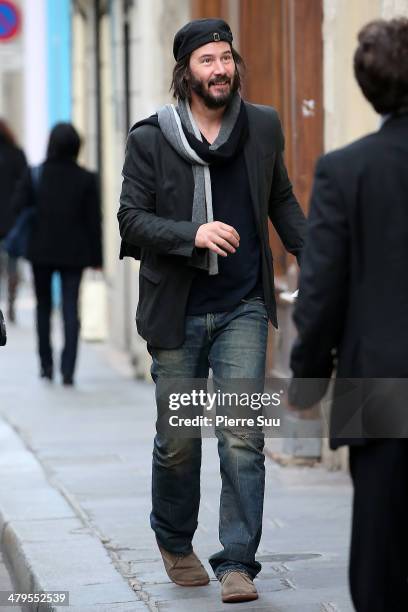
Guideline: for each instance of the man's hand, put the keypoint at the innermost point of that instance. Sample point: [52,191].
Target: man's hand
[218,237]
[304,413]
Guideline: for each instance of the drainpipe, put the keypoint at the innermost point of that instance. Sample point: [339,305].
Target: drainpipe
[98,88]
[127,304]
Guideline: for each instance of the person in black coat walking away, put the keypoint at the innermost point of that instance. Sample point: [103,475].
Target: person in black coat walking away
[66,237]
[352,315]
[12,166]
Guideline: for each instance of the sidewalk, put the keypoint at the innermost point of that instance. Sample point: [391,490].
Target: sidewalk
[75,498]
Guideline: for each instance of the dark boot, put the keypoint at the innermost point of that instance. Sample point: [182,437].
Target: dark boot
[47,372]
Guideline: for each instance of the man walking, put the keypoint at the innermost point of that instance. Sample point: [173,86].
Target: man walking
[200,181]
[352,314]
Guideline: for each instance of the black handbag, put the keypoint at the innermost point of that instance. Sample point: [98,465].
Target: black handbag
[3,334]
[17,240]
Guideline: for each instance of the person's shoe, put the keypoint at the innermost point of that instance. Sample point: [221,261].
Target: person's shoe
[67,381]
[237,586]
[184,570]
[47,372]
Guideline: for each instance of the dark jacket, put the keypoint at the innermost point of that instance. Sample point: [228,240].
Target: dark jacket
[352,308]
[12,166]
[155,219]
[67,227]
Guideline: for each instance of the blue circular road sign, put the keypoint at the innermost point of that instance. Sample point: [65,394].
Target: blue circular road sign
[9,20]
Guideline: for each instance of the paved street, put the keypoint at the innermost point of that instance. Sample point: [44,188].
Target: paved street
[75,497]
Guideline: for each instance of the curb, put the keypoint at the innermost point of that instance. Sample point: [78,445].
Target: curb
[48,547]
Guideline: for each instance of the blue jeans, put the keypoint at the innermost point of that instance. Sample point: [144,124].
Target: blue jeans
[233,345]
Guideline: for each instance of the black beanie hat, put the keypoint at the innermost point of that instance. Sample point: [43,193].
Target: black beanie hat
[198,33]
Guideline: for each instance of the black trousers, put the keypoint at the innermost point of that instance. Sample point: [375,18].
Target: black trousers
[8,267]
[379,541]
[70,283]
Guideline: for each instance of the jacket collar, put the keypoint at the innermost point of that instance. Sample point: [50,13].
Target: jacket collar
[395,122]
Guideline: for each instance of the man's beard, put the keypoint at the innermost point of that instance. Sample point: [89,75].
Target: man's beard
[215,101]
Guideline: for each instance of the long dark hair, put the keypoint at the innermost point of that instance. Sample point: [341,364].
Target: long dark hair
[6,135]
[64,142]
[180,84]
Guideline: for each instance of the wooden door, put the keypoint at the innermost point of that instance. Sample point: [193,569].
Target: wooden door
[281,42]
[210,9]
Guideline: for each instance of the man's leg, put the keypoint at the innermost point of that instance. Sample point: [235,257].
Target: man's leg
[3,258]
[177,459]
[238,351]
[42,286]
[70,282]
[379,544]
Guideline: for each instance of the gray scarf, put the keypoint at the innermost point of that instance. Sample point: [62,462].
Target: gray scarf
[170,122]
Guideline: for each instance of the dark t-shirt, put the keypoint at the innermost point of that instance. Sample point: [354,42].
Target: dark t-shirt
[239,273]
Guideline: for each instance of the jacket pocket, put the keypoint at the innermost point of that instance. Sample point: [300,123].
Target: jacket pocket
[152,275]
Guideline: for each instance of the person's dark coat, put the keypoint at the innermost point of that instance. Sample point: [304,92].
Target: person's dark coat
[155,219]
[352,310]
[67,227]
[12,166]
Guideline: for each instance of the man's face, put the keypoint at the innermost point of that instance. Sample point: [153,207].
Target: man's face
[213,74]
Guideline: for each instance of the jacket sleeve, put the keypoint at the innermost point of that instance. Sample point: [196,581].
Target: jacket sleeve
[284,210]
[323,288]
[21,164]
[23,194]
[138,222]
[93,219]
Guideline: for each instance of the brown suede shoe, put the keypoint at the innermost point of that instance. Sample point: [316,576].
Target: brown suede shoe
[236,587]
[184,570]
